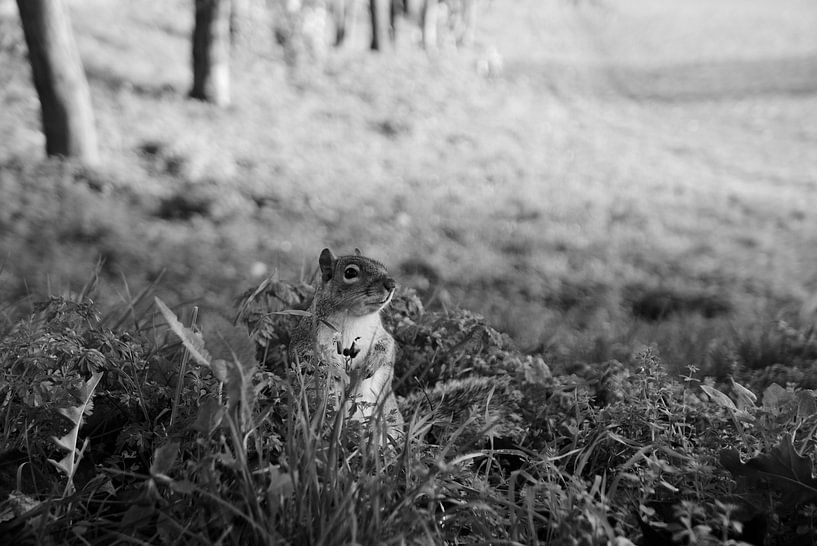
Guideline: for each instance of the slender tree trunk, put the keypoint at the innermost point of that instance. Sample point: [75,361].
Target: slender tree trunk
[344,13]
[211,52]
[56,68]
[429,20]
[469,16]
[381,15]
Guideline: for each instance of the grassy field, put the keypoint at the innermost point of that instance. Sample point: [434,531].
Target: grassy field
[624,149]
[638,174]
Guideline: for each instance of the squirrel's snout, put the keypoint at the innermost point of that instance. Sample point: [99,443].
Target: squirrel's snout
[390,284]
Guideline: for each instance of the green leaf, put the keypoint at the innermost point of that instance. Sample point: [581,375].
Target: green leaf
[191,341]
[64,464]
[73,413]
[783,469]
[806,405]
[719,398]
[69,442]
[745,398]
[775,398]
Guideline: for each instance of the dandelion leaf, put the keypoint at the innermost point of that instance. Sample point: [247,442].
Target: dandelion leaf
[783,469]
[74,414]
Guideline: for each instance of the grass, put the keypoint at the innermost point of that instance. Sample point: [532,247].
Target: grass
[639,174]
[595,167]
[169,442]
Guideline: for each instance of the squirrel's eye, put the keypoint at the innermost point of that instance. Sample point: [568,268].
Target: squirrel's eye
[351,272]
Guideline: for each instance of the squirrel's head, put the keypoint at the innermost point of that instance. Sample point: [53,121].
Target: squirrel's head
[355,283]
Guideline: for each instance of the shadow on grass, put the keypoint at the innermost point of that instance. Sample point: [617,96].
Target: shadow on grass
[654,304]
[682,82]
[718,80]
[118,83]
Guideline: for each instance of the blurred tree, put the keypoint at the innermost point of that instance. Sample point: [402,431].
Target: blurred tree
[344,14]
[457,17]
[465,24]
[211,52]
[56,68]
[382,14]
[239,13]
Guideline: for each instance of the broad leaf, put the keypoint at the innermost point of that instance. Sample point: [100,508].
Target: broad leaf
[806,405]
[775,398]
[783,469]
[745,398]
[719,398]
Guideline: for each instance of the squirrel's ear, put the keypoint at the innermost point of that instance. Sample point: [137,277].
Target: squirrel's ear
[327,263]
[357,252]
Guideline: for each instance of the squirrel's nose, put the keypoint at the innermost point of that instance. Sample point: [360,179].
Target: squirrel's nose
[390,284]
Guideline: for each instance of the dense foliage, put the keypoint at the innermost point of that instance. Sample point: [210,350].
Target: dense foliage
[157,432]
[604,180]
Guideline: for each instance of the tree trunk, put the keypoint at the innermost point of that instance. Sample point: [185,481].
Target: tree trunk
[381,15]
[469,23]
[56,68]
[211,52]
[429,19]
[344,13]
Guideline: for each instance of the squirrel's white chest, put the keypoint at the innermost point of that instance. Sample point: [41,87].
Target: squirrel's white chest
[348,330]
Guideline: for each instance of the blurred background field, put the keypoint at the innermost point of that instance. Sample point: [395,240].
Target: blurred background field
[592,176]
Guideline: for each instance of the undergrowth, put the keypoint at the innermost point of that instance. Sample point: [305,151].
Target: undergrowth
[159,434]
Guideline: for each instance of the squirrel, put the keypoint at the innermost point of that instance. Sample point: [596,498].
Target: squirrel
[344,332]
